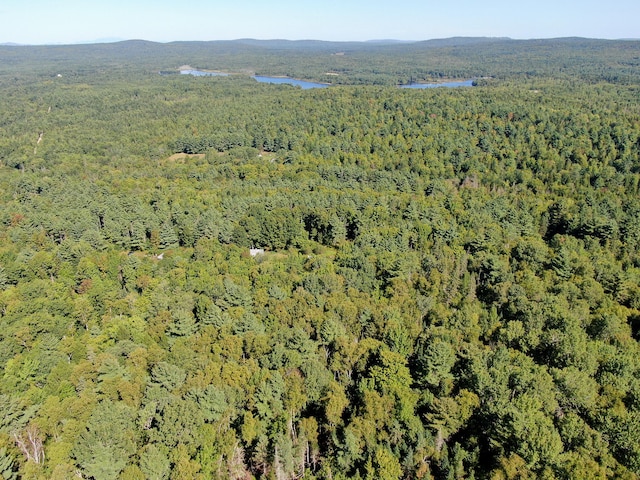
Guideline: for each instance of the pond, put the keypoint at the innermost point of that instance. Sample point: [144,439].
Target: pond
[305,85]
[200,73]
[291,81]
[259,78]
[456,84]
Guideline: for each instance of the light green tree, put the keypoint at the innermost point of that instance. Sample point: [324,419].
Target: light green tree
[103,450]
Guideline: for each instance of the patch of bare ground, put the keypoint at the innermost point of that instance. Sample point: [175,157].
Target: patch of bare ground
[183,156]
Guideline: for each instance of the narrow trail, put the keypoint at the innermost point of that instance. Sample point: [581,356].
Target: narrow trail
[40,136]
[35,150]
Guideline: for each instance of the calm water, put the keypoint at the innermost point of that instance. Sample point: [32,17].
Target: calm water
[463,83]
[291,81]
[307,85]
[259,78]
[199,73]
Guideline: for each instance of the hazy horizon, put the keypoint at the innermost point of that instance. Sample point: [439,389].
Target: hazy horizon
[373,40]
[41,22]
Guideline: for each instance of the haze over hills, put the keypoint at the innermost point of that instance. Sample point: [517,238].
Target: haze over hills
[251,41]
[278,42]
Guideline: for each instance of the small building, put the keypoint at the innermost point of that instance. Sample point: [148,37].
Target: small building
[256,251]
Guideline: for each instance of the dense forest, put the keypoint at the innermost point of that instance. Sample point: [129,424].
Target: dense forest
[449,286]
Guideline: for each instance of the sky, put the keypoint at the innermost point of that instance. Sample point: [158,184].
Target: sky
[77,21]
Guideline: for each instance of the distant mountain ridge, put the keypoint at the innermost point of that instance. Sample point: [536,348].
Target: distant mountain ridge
[320,45]
[281,43]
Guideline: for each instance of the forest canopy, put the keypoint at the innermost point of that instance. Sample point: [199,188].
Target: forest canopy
[450,283]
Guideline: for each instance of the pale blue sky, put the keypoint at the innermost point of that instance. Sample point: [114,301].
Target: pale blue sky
[70,21]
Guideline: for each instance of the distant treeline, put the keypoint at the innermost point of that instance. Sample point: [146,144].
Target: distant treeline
[355,63]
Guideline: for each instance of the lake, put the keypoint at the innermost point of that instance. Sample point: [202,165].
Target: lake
[259,78]
[200,73]
[291,81]
[307,85]
[461,83]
